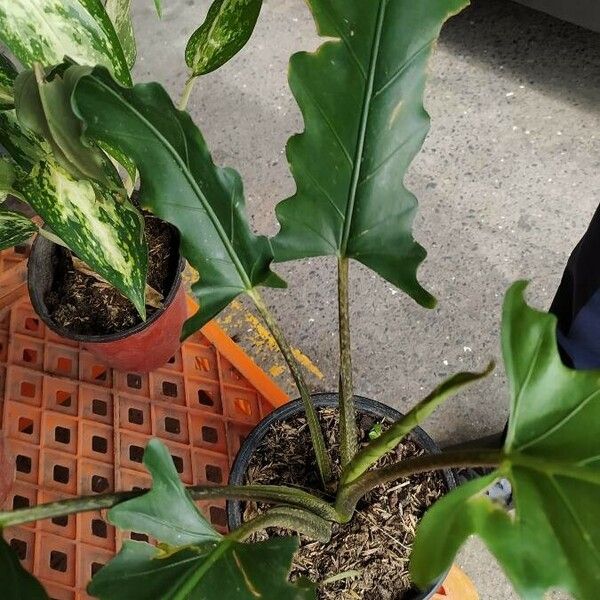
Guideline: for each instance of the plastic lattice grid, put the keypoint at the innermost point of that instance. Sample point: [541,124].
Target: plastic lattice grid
[76,427]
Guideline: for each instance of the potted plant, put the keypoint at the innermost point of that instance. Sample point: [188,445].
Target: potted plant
[317,467]
[102,271]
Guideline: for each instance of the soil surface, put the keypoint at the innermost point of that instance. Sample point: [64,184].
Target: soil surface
[84,305]
[377,542]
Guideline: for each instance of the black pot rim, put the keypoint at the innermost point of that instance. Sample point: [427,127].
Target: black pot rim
[325,400]
[37,300]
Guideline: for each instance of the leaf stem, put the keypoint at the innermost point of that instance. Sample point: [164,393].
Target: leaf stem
[348,430]
[263,493]
[316,433]
[294,519]
[187,92]
[349,495]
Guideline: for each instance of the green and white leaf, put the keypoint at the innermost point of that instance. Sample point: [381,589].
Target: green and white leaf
[181,184]
[14,229]
[104,231]
[8,74]
[44,107]
[167,512]
[45,31]
[361,97]
[24,147]
[552,458]
[225,31]
[119,12]
[212,571]
[7,177]
[15,582]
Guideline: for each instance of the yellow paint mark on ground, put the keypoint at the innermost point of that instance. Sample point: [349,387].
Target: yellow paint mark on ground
[263,335]
[307,363]
[276,370]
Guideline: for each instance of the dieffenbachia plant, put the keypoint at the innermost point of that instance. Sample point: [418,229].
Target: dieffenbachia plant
[74,186]
[361,95]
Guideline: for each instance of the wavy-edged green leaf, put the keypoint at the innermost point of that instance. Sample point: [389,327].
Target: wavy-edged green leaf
[14,229]
[225,31]
[388,440]
[552,458]
[119,12]
[166,512]
[181,184]
[45,31]
[15,582]
[8,74]
[214,571]
[361,97]
[44,107]
[103,230]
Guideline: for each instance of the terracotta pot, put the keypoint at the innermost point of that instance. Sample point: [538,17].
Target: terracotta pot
[141,348]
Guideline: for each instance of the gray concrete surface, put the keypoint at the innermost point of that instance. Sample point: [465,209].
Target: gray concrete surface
[507,181]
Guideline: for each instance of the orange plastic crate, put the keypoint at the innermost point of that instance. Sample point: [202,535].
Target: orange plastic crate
[76,427]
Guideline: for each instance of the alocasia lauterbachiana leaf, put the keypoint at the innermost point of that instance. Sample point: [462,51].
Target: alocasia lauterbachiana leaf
[361,97]
[225,31]
[211,571]
[552,458]
[198,562]
[119,12]
[96,223]
[8,74]
[14,228]
[15,582]
[181,184]
[167,512]
[45,31]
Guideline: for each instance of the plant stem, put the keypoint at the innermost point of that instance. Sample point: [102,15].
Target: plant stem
[349,495]
[187,91]
[294,519]
[348,430]
[263,493]
[316,433]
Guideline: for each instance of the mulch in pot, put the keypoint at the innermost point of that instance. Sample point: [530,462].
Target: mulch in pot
[84,305]
[377,542]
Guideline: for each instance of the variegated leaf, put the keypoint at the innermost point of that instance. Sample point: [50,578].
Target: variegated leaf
[119,12]
[7,177]
[25,148]
[95,223]
[8,74]
[225,31]
[43,106]
[14,229]
[46,31]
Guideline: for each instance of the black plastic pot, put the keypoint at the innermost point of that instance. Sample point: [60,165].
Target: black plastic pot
[143,347]
[365,406]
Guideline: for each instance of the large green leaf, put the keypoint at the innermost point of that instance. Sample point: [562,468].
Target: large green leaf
[361,97]
[197,562]
[225,31]
[14,229]
[8,74]
[181,184]
[214,571]
[167,512]
[102,229]
[119,12]
[552,458]
[15,582]
[46,31]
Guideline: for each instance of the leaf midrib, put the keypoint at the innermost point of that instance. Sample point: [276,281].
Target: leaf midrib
[191,181]
[362,132]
